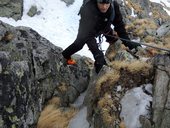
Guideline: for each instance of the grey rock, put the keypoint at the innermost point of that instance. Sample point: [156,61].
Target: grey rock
[143,10]
[31,70]
[145,122]
[124,55]
[10,8]
[32,11]
[72,94]
[4,2]
[161,100]
[163,30]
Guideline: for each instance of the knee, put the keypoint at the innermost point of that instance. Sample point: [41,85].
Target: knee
[78,45]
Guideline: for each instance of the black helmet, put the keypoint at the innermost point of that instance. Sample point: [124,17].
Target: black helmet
[104,1]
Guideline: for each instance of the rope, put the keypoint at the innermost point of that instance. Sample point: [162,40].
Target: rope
[163,49]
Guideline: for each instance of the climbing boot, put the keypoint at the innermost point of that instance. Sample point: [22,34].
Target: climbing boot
[71,62]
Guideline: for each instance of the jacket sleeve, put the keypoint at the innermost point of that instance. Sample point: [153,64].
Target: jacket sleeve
[119,27]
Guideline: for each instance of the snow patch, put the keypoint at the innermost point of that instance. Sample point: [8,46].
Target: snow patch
[134,103]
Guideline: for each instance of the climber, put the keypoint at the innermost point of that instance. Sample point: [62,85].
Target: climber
[97,16]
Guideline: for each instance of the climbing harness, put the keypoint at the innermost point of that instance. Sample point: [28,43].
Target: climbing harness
[100,38]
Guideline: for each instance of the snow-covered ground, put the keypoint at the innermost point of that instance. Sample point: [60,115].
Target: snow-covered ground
[135,103]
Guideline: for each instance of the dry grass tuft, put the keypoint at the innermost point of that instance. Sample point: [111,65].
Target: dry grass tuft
[137,7]
[149,39]
[157,15]
[55,101]
[137,66]
[52,117]
[122,124]
[110,77]
[134,66]
[166,41]
[105,101]
[7,37]
[119,64]
[167,45]
[63,87]
[152,51]
[139,26]
[106,105]
[107,118]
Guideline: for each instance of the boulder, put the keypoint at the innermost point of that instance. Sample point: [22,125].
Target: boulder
[33,70]
[11,9]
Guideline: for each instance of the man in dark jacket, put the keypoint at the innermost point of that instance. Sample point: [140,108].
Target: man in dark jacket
[97,16]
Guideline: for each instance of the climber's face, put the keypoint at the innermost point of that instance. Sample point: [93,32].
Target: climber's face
[103,7]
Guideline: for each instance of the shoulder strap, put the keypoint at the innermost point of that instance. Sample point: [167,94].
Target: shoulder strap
[113,12]
[84,3]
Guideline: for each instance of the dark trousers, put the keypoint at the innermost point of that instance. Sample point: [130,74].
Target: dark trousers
[93,47]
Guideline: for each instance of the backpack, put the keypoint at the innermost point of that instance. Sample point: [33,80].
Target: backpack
[84,3]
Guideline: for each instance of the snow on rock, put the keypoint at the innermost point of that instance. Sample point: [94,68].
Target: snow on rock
[79,121]
[135,103]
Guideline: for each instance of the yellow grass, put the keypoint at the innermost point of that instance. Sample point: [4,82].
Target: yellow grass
[122,124]
[8,36]
[139,66]
[137,7]
[163,44]
[52,117]
[107,118]
[110,77]
[113,76]
[104,105]
[167,45]
[139,32]
[156,15]
[149,39]
[63,87]
[55,100]
[105,101]
[139,26]
[130,27]
[134,66]
[146,23]
[166,41]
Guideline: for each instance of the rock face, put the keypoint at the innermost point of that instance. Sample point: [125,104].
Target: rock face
[143,9]
[11,8]
[107,89]
[161,96]
[163,30]
[31,71]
